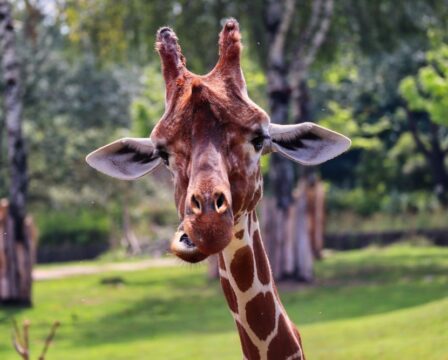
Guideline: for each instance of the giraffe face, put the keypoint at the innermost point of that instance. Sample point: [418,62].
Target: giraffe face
[211,138]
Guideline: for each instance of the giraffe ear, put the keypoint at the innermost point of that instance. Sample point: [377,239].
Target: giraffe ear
[125,159]
[307,143]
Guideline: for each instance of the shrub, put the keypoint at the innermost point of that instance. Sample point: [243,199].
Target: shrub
[62,227]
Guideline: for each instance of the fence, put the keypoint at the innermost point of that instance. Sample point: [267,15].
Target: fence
[349,241]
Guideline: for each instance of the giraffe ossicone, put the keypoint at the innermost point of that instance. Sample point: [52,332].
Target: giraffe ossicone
[211,138]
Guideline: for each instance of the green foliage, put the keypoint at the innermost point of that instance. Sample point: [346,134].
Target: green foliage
[367,202]
[160,213]
[363,135]
[363,202]
[124,32]
[405,153]
[256,81]
[82,228]
[148,107]
[428,89]
[92,75]
[71,107]
[359,96]
[397,294]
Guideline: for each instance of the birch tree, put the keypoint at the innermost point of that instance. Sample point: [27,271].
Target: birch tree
[15,239]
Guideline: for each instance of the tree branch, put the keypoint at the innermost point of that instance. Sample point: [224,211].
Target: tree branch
[278,44]
[49,339]
[26,339]
[302,61]
[418,141]
[306,34]
[20,342]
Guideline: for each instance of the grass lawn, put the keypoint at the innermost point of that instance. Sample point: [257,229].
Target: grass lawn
[389,303]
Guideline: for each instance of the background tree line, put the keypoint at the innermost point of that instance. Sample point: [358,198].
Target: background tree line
[376,71]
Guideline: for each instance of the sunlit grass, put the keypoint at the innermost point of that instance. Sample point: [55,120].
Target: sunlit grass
[375,303]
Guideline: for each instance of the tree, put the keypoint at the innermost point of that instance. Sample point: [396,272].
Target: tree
[426,95]
[124,31]
[17,247]
[294,51]
[287,68]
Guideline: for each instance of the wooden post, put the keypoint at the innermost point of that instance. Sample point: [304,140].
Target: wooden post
[315,197]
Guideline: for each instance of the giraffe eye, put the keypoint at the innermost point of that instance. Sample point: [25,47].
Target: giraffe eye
[258,142]
[164,156]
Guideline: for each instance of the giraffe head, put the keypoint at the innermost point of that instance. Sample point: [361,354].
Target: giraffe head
[211,138]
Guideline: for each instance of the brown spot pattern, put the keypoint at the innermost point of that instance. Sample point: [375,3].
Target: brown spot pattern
[260,314]
[263,270]
[250,351]
[254,216]
[229,294]
[242,268]
[240,234]
[284,343]
[248,224]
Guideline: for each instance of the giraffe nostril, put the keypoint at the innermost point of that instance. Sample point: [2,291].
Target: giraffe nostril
[220,203]
[195,205]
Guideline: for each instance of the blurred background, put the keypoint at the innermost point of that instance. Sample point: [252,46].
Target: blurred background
[372,223]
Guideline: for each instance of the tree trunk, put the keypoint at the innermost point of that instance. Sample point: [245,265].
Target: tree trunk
[433,154]
[17,241]
[281,173]
[440,176]
[315,199]
[289,245]
[438,166]
[16,260]
[299,232]
[303,236]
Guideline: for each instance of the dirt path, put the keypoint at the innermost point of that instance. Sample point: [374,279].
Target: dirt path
[64,271]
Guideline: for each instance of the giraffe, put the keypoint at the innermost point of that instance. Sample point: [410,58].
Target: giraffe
[211,138]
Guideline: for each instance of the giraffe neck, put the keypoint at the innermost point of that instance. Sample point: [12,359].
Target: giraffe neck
[265,331]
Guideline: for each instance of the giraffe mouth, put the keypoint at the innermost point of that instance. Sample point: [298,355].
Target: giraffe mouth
[184,248]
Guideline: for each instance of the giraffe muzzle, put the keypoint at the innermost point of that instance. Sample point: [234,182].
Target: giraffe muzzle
[184,248]
[211,231]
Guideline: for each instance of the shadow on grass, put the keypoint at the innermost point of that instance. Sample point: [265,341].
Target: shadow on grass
[161,303]
[157,316]
[371,281]
[190,305]
[342,302]
[390,264]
